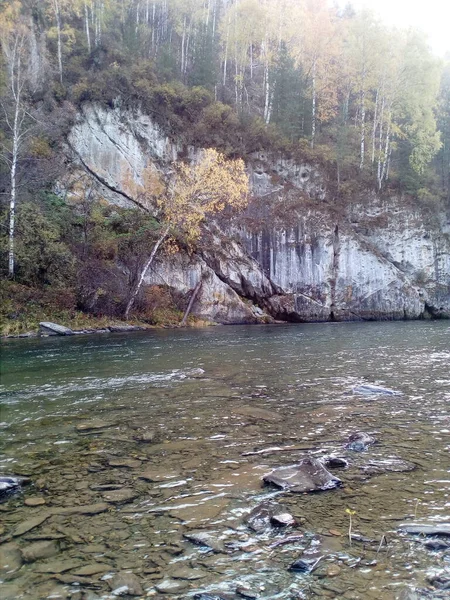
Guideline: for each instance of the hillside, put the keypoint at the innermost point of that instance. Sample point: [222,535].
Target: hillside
[343,125]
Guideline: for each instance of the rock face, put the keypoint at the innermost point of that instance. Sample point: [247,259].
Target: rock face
[372,259]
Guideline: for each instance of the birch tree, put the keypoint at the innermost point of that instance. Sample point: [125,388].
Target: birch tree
[15,43]
[196,192]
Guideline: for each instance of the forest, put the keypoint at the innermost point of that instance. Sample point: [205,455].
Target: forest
[334,87]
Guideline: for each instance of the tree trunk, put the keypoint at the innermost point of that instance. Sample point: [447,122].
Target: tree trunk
[313,110]
[88,35]
[58,31]
[147,265]
[191,302]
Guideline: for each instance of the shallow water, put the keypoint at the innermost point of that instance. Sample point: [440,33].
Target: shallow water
[196,391]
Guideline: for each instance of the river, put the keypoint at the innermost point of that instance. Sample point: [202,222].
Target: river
[133,441]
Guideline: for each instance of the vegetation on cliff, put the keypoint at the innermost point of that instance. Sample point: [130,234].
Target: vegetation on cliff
[370,104]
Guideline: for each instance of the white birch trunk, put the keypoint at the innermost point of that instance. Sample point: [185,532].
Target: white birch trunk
[147,265]
[58,39]
[86,20]
[313,108]
[375,125]
[363,129]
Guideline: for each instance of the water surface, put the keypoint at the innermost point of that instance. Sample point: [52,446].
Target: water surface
[195,390]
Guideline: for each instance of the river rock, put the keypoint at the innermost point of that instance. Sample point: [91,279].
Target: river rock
[371,390]
[202,538]
[8,486]
[121,495]
[47,327]
[282,520]
[123,584]
[10,558]
[335,462]
[387,465]
[154,475]
[34,501]
[84,509]
[169,586]
[302,565]
[125,463]
[259,518]
[92,569]
[27,526]
[426,529]
[93,425]
[124,328]
[437,544]
[40,550]
[208,597]
[188,574]
[246,592]
[359,441]
[308,476]
[57,566]
[440,580]
[146,437]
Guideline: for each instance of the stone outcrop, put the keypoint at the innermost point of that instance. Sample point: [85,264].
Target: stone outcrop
[372,259]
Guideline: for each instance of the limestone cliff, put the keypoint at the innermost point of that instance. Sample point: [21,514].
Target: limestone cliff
[300,259]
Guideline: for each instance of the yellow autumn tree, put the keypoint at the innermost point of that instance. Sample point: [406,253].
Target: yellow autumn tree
[196,193]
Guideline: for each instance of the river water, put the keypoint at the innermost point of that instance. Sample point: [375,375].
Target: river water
[133,441]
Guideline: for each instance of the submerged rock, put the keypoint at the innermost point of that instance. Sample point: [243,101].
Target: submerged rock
[387,465]
[188,574]
[208,597]
[10,558]
[359,441]
[303,565]
[202,538]
[426,529]
[368,389]
[39,550]
[335,462]
[121,495]
[170,586]
[125,584]
[259,518]
[308,476]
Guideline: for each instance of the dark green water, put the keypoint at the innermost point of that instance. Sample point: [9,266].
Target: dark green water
[53,389]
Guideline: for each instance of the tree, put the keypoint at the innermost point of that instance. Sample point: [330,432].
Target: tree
[196,192]
[15,43]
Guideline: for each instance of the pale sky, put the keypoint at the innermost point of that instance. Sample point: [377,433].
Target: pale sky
[432,16]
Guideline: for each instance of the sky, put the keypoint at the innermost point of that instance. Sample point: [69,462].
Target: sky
[432,16]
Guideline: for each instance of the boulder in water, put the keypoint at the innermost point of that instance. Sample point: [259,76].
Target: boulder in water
[367,389]
[387,465]
[49,328]
[359,441]
[308,476]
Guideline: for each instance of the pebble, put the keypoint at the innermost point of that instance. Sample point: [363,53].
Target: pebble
[34,501]
[333,571]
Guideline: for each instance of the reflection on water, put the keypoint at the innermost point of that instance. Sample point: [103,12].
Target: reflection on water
[171,431]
